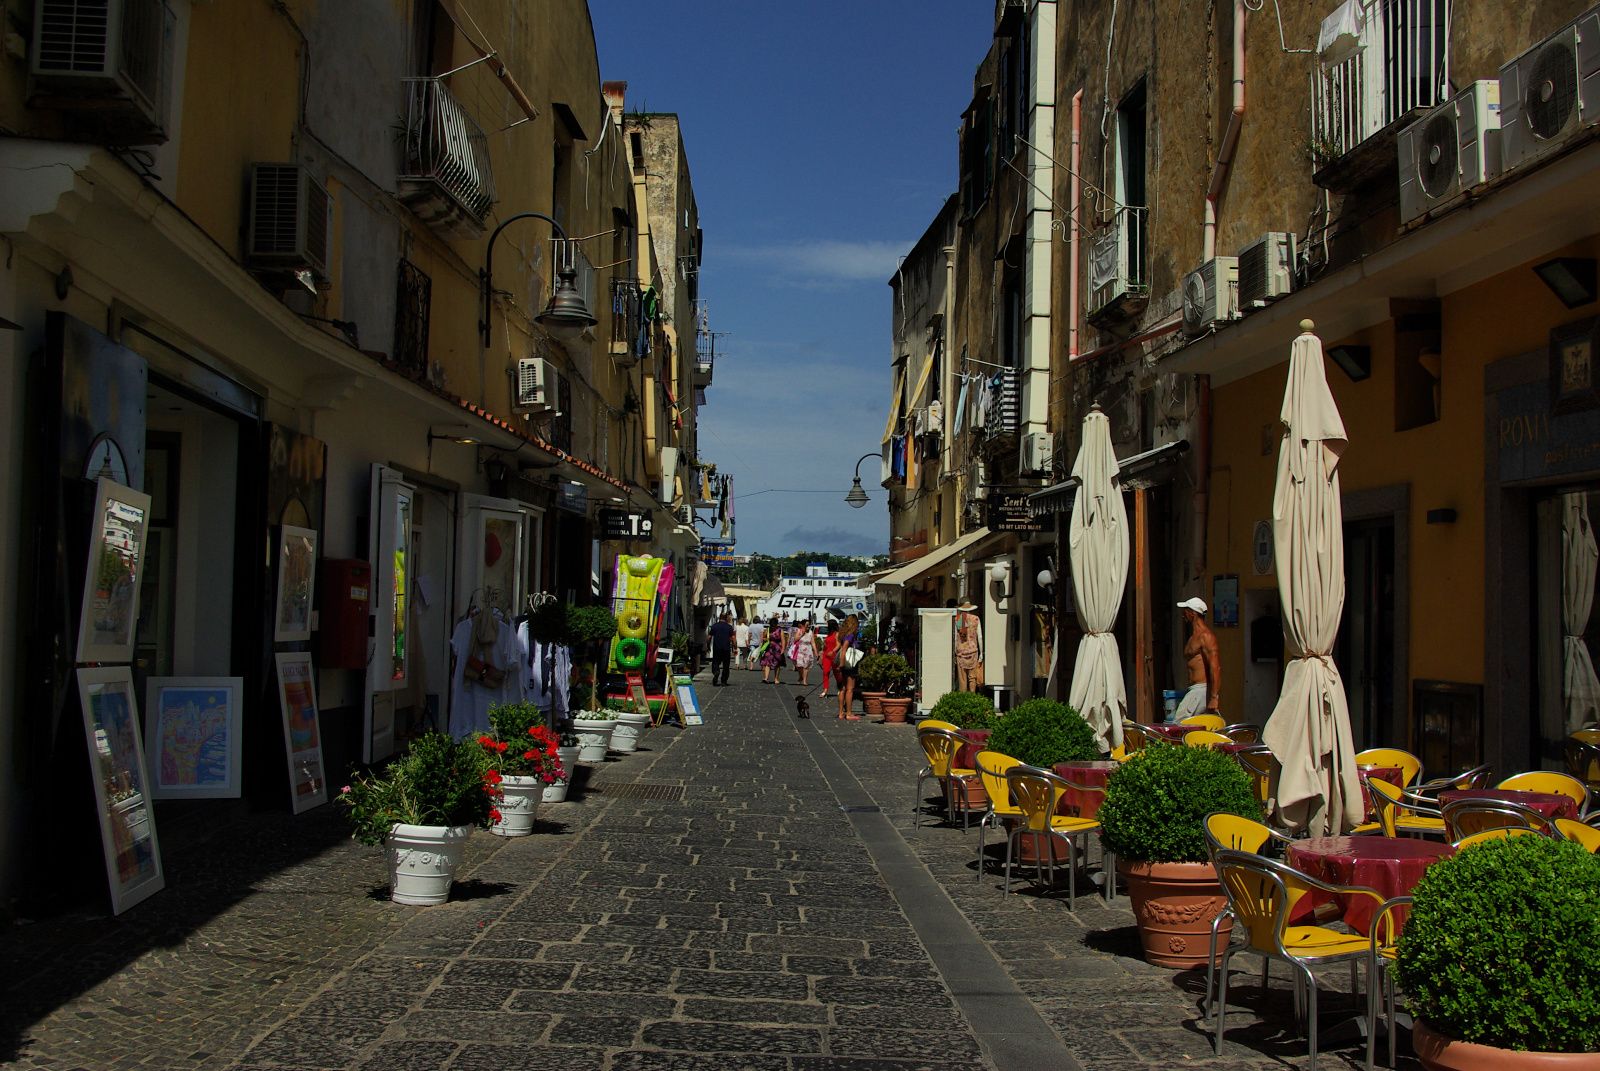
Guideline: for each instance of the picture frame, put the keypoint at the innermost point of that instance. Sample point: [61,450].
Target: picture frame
[1574,371]
[1225,600]
[192,736]
[297,580]
[108,616]
[302,732]
[121,785]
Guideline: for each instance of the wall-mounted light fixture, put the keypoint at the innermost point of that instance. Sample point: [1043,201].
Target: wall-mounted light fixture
[1354,361]
[1442,516]
[857,496]
[455,433]
[1572,279]
[565,317]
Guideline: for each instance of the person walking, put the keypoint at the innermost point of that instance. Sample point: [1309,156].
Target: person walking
[741,643]
[758,637]
[803,651]
[721,637]
[772,657]
[830,651]
[849,643]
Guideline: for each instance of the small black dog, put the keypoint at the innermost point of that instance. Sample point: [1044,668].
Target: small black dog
[801,707]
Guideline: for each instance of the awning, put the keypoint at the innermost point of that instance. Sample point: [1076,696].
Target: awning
[1139,470]
[911,570]
[712,591]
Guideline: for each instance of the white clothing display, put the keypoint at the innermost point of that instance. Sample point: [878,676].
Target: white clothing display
[470,700]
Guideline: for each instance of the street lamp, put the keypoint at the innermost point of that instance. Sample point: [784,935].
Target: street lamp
[565,316]
[857,497]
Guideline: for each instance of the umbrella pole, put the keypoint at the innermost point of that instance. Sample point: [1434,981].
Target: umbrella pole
[1144,625]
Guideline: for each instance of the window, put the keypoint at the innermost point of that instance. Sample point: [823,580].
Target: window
[413,300]
[1130,189]
[1011,319]
[560,177]
[636,144]
[977,154]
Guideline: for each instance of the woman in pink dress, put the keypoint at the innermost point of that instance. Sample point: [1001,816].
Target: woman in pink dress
[803,649]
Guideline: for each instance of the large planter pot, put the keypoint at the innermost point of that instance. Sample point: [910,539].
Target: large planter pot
[1174,904]
[968,796]
[556,792]
[896,711]
[967,754]
[519,806]
[1030,848]
[594,737]
[873,701]
[630,728]
[423,861]
[1440,1053]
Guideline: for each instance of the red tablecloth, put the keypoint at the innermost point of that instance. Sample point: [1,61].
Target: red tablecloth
[1550,804]
[1172,731]
[1092,775]
[1392,774]
[1391,866]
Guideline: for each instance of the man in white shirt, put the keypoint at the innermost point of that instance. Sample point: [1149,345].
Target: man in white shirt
[758,632]
[741,641]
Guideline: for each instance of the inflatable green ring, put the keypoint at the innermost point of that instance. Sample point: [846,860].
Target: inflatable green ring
[630,652]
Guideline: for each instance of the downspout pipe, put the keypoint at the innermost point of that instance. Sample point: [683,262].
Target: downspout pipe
[1230,136]
[1073,202]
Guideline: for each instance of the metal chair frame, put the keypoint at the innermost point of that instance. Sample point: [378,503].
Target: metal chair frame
[1515,814]
[986,773]
[1379,957]
[1477,777]
[1215,845]
[1395,805]
[951,742]
[1055,785]
[1564,784]
[1242,732]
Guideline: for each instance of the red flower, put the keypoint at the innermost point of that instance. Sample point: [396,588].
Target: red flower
[495,815]
[501,747]
[486,741]
[530,755]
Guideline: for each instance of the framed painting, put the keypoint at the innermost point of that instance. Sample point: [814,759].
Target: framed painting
[109,614]
[1574,376]
[1225,600]
[121,785]
[297,696]
[192,727]
[297,573]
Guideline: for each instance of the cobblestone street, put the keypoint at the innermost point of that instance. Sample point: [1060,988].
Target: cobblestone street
[730,897]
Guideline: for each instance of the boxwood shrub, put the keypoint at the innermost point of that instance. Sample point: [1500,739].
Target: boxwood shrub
[1503,946]
[1042,732]
[968,710]
[1156,803]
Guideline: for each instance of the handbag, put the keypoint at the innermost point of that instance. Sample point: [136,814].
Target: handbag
[853,657]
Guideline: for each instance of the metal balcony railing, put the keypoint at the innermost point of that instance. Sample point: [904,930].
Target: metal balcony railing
[628,339]
[1401,65]
[1117,260]
[444,169]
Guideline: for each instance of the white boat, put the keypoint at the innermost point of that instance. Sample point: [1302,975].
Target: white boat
[818,595]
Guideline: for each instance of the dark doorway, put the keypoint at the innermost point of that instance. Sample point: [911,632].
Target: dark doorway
[1365,650]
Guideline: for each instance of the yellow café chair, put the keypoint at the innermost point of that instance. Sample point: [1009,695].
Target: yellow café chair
[1204,738]
[1400,813]
[1260,764]
[1495,833]
[1410,766]
[1230,832]
[1038,793]
[1550,781]
[1242,732]
[1582,832]
[1582,753]
[940,747]
[1462,818]
[1213,722]
[992,767]
[1260,895]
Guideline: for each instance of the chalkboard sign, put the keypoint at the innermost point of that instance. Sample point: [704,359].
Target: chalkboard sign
[688,702]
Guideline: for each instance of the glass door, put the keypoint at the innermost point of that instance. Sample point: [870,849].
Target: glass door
[392,505]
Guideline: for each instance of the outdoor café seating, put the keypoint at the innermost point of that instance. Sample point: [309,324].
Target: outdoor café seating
[992,767]
[1581,832]
[1204,738]
[1213,722]
[1230,832]
[940,747]
[1469,815]
[1398,813]
[1242,732]
[1553,782]
[1040,795]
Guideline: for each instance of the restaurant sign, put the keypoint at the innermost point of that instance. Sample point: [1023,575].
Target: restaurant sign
[625,524]
[1010,512]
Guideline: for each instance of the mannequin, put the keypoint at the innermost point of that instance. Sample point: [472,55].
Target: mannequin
[969,647]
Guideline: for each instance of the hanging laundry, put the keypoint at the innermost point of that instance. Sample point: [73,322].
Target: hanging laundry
[488,671]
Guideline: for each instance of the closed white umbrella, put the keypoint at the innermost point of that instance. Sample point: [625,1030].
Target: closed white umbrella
[1579,555]
[1098,545]
[1309,731]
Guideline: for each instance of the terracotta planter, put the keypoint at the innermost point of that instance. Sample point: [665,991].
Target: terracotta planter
[1031,848]
[1440,1053]
[873,701]
[967,754]
[1174,904]
[969,796]
[896,711]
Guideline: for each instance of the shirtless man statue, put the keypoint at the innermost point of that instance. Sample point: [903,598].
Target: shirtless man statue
[1205,666]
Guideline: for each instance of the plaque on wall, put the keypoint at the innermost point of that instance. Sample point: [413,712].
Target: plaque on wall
[1574,379]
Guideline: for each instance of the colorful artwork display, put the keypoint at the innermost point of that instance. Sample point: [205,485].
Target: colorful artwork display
[297,576]
[192,727]
[109,614]
[127,827]
[297,694]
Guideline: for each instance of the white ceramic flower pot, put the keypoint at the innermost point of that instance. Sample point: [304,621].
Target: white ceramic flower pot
[423,861]
[630,729]
[593,738]
[519,806]
[557,792]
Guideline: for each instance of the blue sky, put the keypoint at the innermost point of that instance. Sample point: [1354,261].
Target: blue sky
[822,140]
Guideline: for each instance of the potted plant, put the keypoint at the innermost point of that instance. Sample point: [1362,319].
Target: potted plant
[1153,820]
[594,729]
[523,752]
[421,809]
[873,677]
[567,754]
[899,689]
[974,715]
[1501,957]
[588,628]
[1043,732]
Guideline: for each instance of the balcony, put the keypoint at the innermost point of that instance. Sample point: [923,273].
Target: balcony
[1118,286]
[444,169]
[1401,68]
[704,364]
[567,255]
[630,342]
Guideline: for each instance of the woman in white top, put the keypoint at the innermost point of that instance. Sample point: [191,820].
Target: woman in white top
[741,643]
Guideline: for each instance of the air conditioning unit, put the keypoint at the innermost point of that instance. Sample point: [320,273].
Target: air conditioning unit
[109,62]
[1452,149]
[536,390]
[1211,295]
[1036,455]
[1550,91]
[288,226]
[1266,270]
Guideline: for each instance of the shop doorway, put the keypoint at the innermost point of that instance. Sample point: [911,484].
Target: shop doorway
[1365,649]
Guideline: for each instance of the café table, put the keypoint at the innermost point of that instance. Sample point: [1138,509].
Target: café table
[1172,732]
[1552,805]
[1093,775]
[1390,866]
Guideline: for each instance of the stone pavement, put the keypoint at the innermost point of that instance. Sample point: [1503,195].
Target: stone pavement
[708,902]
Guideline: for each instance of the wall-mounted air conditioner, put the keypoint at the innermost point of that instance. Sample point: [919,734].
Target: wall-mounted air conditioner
[1266,270]
[1036,455]
[669,474]
[109,62]
[1550,91]
[1211,295]
[535,391]
[1452,149]
[288,225]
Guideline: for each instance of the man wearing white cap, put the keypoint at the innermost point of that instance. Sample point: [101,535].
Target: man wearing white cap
[1205,665]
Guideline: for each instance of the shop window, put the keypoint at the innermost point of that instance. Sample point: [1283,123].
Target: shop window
[1566,564]
[1448,734]
[1418,366]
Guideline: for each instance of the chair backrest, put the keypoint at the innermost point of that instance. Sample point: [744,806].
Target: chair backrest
[1242,732]
[1410,766]
[1582,832]
[1583,759]
[1386,803]
[1204,738]
[934,723]
[1588,734]
[1497,833]
[992,767]
[1134,736]
[1258,762]
[1462,818]
[1259,894]
[1477,777]
[1229,832]
[1035,792]
[940,745]
[1120,753]
[1214,722]
[1550,781]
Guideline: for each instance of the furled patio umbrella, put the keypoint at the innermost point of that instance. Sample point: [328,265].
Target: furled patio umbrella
[1579,555]
[1309,731]
[1098,547]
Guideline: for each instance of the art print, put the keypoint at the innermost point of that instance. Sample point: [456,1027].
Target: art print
[192,725]
[109,612]
[297,570]
[308,783]
[121,785]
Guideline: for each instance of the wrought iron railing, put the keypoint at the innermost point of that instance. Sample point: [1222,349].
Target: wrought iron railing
[1402,64]
[412,307]
[444,148]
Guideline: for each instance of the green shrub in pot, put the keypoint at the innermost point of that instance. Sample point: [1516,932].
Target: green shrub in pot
[879,671]
[1502,947]
[1156,803]
[965,710]
[437,782]
[1043,732]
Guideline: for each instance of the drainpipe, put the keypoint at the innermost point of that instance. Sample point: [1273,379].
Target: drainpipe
[1072,246]
[1230,137]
